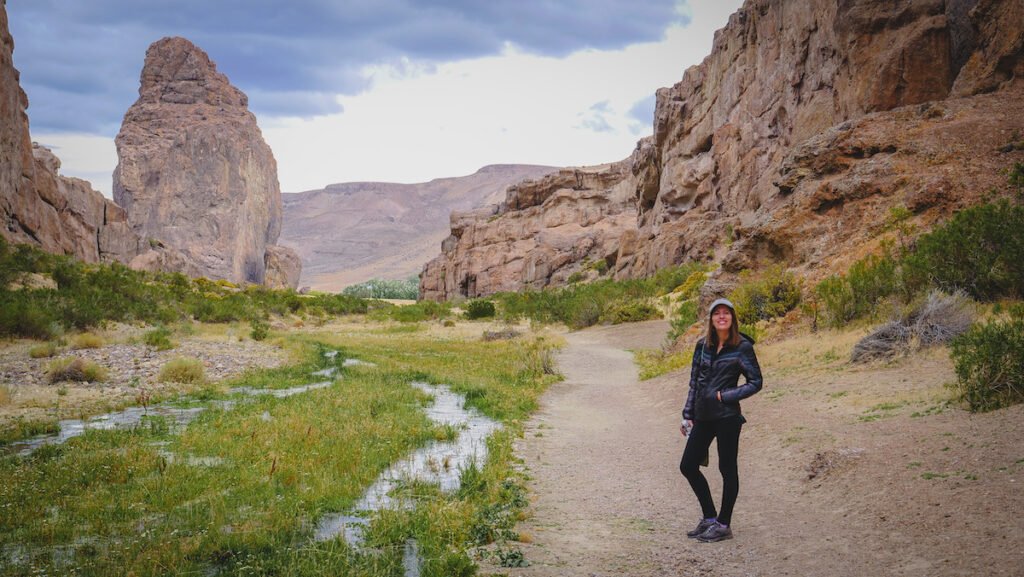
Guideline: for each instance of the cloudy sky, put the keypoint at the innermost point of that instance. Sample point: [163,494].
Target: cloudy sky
[391,90]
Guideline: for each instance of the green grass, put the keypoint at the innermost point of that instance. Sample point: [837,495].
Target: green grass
[656,362]
[110,502]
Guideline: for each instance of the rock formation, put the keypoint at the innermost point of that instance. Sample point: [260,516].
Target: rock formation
[808,122]
[193,168]
[540,234]
[351,232]
[38,205]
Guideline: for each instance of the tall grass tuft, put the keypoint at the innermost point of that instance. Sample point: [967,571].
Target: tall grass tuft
[182,370]
[75,369]
[44,350]
[86,341]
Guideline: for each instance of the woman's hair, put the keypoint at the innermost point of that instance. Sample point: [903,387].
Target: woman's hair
[734,329]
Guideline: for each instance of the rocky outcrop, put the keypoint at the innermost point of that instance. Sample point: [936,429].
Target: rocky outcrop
[545,231]
[40,207]
[806,124]
[283,267]
[193,168]
[350,232]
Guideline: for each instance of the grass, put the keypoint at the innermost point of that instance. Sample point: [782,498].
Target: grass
[111,502]
[86,341]
[45,350]
[182,370]
[75,369]
[657,362]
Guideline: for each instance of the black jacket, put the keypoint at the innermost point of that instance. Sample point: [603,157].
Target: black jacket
[712,372]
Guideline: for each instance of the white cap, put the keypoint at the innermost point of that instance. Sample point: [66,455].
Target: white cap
[725,302]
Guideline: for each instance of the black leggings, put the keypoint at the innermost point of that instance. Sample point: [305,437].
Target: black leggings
[728,433]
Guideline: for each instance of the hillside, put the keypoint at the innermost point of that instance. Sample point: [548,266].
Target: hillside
[351,232]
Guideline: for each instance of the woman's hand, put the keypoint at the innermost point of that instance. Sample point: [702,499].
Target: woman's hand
[719,396]
[686,426]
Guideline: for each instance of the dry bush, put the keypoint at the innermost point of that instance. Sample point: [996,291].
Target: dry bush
[5,395]
[501,335]
[937,319]
[942,317]
[44,350]
[75,369]
[884,342]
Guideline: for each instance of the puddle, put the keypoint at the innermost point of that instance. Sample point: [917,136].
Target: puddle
[177,417]
[440,462]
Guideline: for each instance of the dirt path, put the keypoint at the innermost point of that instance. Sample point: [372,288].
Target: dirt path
[901,485]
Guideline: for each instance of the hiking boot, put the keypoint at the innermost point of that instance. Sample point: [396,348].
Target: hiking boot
[704,525]
[716,532]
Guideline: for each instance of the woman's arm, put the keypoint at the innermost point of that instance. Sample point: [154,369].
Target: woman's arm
[751,370]
[694,374]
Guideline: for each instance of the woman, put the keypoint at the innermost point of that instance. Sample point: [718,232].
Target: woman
[713,411]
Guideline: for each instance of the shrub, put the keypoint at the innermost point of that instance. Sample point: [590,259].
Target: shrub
[479,309]
[86,341]
[859,292]
[989,362]
[683,319]
[631,312]
[260,329]
[421,311]
[182,370]
[47,349]
[75,369]
[407,289]
[159,338]
[576,277]
[979,251]
[772,294]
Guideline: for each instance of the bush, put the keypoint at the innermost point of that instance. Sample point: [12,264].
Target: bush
[684,318]
[631,312]
[979,251]
[47,349]
[86,341]
[75,369]
[859,292]
[260,329]
[159,338]
[183,370]
[407,289]
[989,362]
[479,309]
[772,294]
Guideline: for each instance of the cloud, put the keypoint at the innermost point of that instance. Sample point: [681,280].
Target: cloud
[292,57]
[596,117]
[641,115]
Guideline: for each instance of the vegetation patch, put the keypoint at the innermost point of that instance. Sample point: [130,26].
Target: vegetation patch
[989,362]
[86,341]
[768,295]
[479,309]
[75,369]
[378,288]
[47,349]
[934,320]
[182,370]
[657,362]
[159,338]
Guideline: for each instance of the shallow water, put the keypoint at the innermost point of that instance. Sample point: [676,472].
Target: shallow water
[440,462]
[177,417]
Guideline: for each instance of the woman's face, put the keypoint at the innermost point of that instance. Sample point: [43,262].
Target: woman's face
[721,318]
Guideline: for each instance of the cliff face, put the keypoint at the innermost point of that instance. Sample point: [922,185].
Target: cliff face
[38,205]
[194,170]
[351,232]
[540,234]
[810,120]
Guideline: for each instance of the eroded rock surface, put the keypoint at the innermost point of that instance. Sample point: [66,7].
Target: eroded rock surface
[543,232]
[194,170]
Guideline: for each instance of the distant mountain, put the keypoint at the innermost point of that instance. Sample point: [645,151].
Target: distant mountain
[354,231]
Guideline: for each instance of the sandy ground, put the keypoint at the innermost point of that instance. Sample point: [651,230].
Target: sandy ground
[844,470]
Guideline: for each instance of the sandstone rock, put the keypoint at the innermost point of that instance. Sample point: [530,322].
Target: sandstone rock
[165,259]
[193,168]
[541,234]
[283,267]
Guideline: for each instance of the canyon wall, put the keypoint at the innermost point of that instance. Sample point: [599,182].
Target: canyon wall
[38,206]
[800,131]
[194,171]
